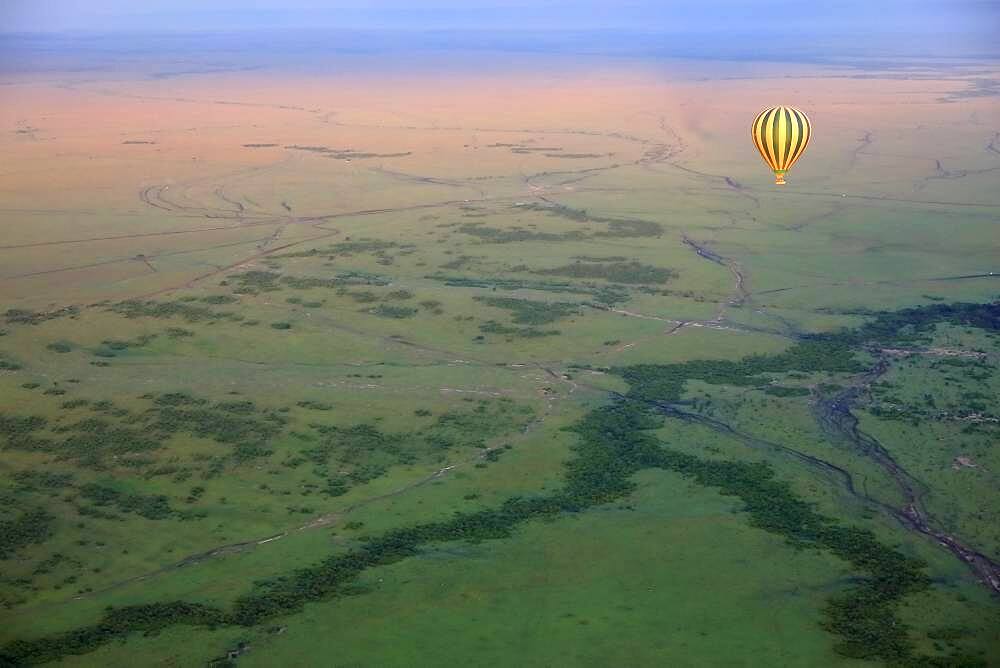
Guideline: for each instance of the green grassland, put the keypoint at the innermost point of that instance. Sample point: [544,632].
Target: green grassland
[556,411]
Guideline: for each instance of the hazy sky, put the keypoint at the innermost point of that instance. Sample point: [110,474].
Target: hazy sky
[863,16]
[802,30]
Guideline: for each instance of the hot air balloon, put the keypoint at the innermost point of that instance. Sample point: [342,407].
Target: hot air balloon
[781,134]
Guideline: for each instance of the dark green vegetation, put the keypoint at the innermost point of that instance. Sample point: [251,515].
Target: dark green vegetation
[112,347]
[617,227]
[122,454]
[33,526]
[135,308]
[348,456]
[621,228]
[915,325]
[494,327]
[781,391]
[530,312]
[255,282]
[16,316]
[665,383]
[8,364]
[150,506]
[617,272]
[376,247]
[602,294]
[390,311]
[600,258]
[508,235]
[116,436]
[613,442]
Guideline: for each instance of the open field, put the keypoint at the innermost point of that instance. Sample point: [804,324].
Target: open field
[383,369]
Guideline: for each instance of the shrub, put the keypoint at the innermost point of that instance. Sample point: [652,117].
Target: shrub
[397,312]
[616,272]
[530,312]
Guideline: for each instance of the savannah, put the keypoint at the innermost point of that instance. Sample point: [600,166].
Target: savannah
[358,363]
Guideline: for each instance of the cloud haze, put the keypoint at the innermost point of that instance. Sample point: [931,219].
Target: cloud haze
[710,28]
[661,15]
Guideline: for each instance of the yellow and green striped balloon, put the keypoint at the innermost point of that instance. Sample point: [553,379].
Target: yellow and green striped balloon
[781,134]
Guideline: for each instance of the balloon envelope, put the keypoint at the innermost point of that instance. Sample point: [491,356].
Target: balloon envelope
[781,134]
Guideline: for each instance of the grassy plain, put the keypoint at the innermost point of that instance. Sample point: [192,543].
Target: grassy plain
[262,318]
